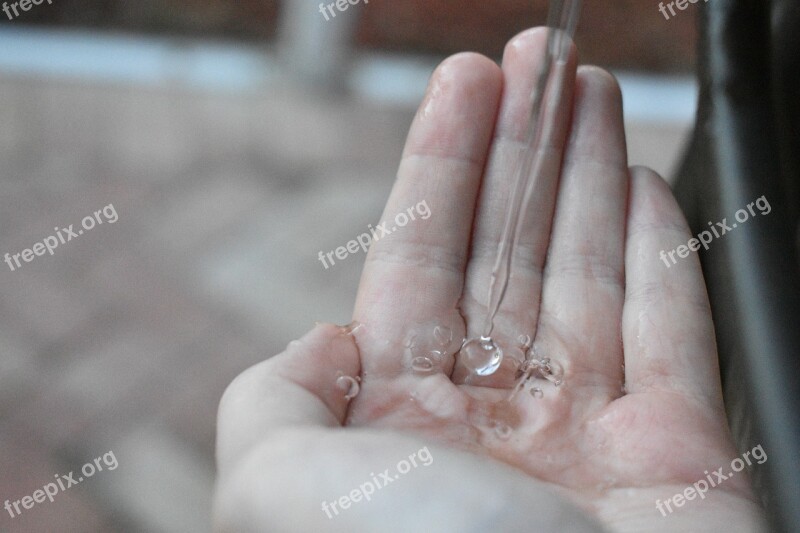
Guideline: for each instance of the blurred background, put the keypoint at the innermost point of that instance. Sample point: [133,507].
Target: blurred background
[235,141]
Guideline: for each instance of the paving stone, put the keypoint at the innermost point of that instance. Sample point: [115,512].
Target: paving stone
[215,361]
[19,371]
[97,382]
[51,309]
[26,468]
[159,482]
[126,338]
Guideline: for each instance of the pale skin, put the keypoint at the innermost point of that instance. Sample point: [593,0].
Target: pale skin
[640,415]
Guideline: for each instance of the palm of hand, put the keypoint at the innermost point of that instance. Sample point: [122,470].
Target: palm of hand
[640,415]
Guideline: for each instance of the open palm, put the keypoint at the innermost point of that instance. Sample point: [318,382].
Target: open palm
[639,417]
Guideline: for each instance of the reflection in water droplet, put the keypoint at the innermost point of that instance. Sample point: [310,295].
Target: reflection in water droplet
[536,392]
[422,364]
[482,356]
[503,431]
[349,385]
[443,335]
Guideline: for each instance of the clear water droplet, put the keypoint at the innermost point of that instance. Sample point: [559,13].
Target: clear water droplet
[481,356]
[536,392]
[421,350]
[443,335]
[422,364]
[428,345]
[556,374]
[349,385]
[554,368]
[503,431]
[525,342]
[549,370]
[556,381]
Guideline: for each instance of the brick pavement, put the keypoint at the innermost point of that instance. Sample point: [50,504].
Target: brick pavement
[125,338]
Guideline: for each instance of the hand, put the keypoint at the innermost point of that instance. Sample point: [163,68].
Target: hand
[640,415]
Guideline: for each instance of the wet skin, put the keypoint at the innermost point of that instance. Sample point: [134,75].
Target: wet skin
[639,417]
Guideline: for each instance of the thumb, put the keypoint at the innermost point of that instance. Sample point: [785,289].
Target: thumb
[298,387]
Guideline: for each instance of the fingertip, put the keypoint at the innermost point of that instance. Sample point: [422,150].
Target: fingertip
[641,172]
[457,114]
[602,75]
[524,40]
[656,205]
[465,74]
[590,77]
[471,65]
[532,39]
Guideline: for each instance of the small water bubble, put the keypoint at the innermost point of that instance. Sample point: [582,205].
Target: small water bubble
[503,431]
[443,335]
[536,392]
[552,372]
[349,385]
[525,342]
[428,345]
[421,350]
[422,364]
[556,381]
[482,356]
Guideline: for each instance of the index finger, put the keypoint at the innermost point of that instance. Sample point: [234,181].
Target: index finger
[417,271]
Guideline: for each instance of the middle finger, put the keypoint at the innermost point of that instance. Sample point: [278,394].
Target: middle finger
[519,313]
